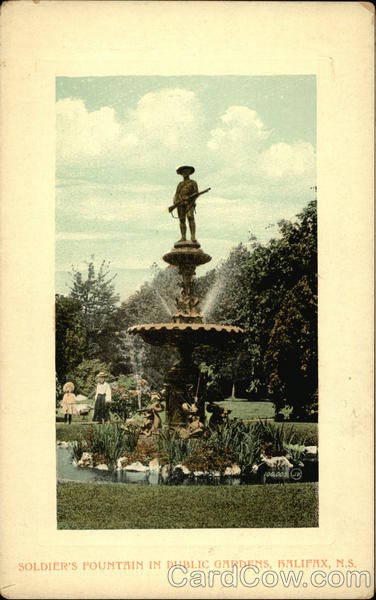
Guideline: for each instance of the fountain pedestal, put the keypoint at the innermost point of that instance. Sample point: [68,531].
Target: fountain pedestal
[185,333]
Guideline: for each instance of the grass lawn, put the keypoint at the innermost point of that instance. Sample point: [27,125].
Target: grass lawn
[241,409]
[123,506]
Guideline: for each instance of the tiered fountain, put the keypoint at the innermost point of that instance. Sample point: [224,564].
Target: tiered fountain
[187,330]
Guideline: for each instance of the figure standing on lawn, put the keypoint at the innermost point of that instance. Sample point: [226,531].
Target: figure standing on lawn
[69,402]
[102,399]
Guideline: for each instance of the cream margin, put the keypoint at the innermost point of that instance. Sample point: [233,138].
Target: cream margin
[41,40]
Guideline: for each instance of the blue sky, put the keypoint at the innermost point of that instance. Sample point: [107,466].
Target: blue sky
[120,139]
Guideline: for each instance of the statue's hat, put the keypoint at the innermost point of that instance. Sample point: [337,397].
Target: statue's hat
[180,170]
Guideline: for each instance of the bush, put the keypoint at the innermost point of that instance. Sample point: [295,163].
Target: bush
[123,404]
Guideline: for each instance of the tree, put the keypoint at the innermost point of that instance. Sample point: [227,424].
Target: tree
[71,337]
[291,357]
[271,272]
[99,309]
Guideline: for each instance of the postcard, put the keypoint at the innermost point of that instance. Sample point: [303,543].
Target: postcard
[187,347]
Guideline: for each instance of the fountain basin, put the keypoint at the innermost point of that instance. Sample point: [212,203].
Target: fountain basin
[190,334]
[189,255]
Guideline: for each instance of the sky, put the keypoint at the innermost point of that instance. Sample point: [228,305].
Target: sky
[119,141]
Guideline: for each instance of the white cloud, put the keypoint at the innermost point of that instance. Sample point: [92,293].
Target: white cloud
[161,124]
[81,133]
[239,135]
[285,160]
[167,117]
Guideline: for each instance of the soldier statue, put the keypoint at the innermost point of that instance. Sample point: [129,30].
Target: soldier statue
[184,200]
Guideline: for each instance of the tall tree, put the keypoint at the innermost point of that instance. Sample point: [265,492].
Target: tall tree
[272,271]
[291,357]
[71,337]
[100,311]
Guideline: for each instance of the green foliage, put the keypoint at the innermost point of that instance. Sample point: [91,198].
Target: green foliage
[78,448]
[84,376]
[291,356]
[273,438]
[58,392]
[271,273]
[295,451]
[99,307]
[123,404]
[109,442]
[176,448]
[70,335]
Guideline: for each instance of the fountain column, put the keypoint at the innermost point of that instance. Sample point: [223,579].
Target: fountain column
[181,382]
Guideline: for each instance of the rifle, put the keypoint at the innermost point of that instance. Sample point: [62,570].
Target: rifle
[192,197]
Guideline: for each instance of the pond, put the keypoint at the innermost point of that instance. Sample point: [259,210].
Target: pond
[67,471]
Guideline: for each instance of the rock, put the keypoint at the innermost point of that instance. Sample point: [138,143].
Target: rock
[64,444]
[233,470]
[183,469]
[154,465]
[136,467]
[86,460]
[102,467]
[311,450]
[166,471]
[277,462]
[120,462]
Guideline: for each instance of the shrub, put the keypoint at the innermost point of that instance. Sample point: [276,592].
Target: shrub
[124,404]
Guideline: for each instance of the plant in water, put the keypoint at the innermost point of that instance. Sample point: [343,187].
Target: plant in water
[78,448]
[273,438]
[176,448]
[110,442]
[132,437]
[295,451]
